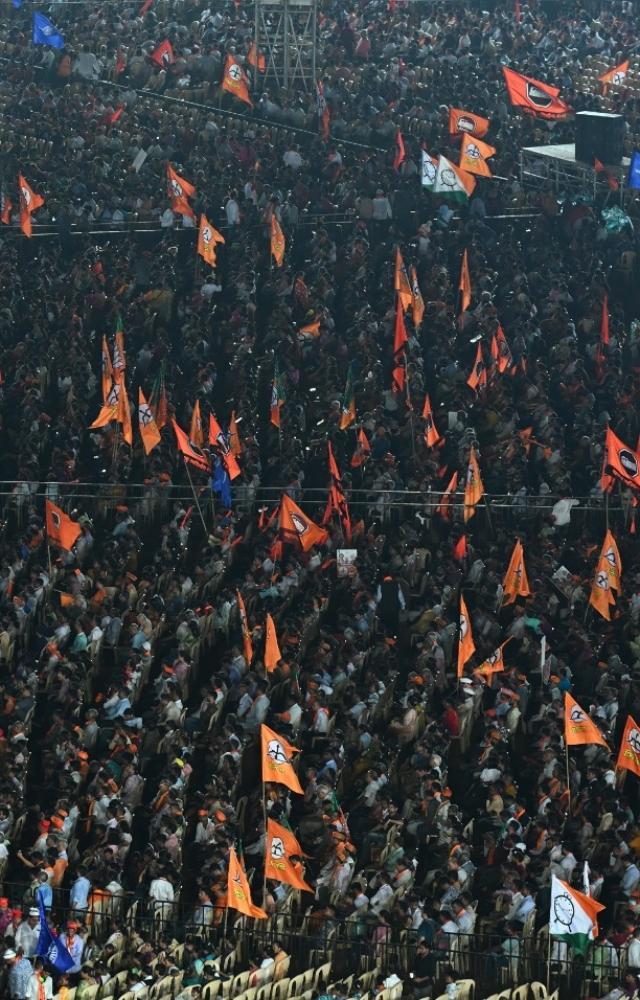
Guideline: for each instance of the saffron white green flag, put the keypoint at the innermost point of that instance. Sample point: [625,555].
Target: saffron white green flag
[452,181]
[429,169]
[574,916]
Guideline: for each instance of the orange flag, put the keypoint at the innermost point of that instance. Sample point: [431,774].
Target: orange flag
[503,357]
[474,155]
[148,428]
[516,583]
[282,846]
[208,237]
[604,321]
[629,753]
[178,191]
[218,440]
[616,76]
[247,644]
[464,285]
[466,645]
[473,489]
[238,892]
[61,530]
[400,339]
[107,370]
[189,450]
[278,243]
[362,452]
[235,444]
[619,461]
[29,201]
[110,410]
[272,654]
[196,433]
[417,302]
[431,436]
[610,560]
[277,754]
[445,502]
[256,59]
[578,727]
[401,282]
[124,410]
[235,80]
[467,123]
[478,377]
[601,597]
[294,525]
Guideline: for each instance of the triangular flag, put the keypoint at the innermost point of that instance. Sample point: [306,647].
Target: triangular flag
[474,155]
[629,753]
[579,728]
[294,525]
[146,423]
[515,583]
[238,892]
[277,755]
[464,284]
[473,488]
[281,847]
[272,654]
[431,435]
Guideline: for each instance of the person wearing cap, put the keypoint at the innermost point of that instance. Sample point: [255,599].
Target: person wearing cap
[74,944]
[5,915]
[27,934]
[19,974]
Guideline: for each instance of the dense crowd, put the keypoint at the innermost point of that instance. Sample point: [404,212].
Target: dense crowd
[434,809]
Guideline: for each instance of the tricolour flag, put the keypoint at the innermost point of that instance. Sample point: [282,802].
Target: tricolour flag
[452,181]
[348,405]
[428,170]
[573,916]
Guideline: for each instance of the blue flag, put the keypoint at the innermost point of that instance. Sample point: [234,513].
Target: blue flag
[633,178]
[45,33]
[17,3]
[49,947]
[221,485]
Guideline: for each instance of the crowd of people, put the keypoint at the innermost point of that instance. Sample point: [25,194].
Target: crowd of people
[434,808]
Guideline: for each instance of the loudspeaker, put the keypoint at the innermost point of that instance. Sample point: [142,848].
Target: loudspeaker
[600,136]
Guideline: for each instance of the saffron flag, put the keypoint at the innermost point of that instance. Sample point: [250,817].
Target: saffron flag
[573,916]
[119,356]
[106,370]
[417,302]
[191,453]
[6,208]
[238,892]
[208,237]
[501,354]
[256,59]
[601,597]
[401,282]
[620,461]
[516,583]
[452,181]
[196,432]
[478,376]
[348,405]
[460,549]
[604,321]
[29,202]
[400,155]
[218,439]
[295,526]
[579,728]
[629,753]
[278,243]
[337,500]
[467,123]
[615,76]
[277,756]
[400,339]
[272,654]
[124,409]
[61,530]
[146,423]
[247,644]
[362,452]
[533,96]
[466,645]
[473,489]
[444,507]
[600,168]
[163,55]
[235,80]
[493,664]
[431,436]
[464,284]
[474,155]
[281,848]
[179,190]
[610,560]
[278,396]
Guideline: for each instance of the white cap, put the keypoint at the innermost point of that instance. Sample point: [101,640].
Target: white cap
[9,955]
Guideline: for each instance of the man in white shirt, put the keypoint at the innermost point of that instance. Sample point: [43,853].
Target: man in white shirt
[28,933]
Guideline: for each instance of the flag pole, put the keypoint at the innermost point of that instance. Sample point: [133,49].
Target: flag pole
[549,962]
[566,749]
[264,820]
[197,502]
[487,507]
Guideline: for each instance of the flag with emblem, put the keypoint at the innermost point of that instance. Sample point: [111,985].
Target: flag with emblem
[629,752]
[493,664]
[29,202]
[238,892]
[431,435]
[467,123]
[466,645]
[474,155]
[247,644]
[500,351]
[277,760]
[573,916]
[417,302]
[614,77]
[400,340]
[401,282]
[146,423]
[278,243]
[478,376]
[606,582]
[119,356]
[272,655]
[620,461]
[278,396]
[208,237]
[516,583]
[163,55]
[222,442]
[348,404]
[106,370]
[282,856]
[534,97]
[473,487]
[61,530]
[235,80]
[452,182]
[178,191]
[579,728]
[428,170]
[191,452]
[295,526]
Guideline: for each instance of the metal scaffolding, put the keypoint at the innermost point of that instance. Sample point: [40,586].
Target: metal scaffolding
[556,165]
[286,34]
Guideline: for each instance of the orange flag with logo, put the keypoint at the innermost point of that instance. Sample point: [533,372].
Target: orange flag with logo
[178,191]
[294,525]
[473,489]
[124,410]
[29,201]
[417,302]
[208,237]
[247,645]
[277,755]
[467,123]
[466,645]
[107,371]
[578,726]
[610,560]
[196,433]
[601,597]
[148,428]
[217,439]
[272,655]
[278,243]
[516,583]
[474,155]
[401,282]
[629,753]
[478,377]
[238,892]
[281,847]
[431,436]
[235,80]
[61,530]
[464,285]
